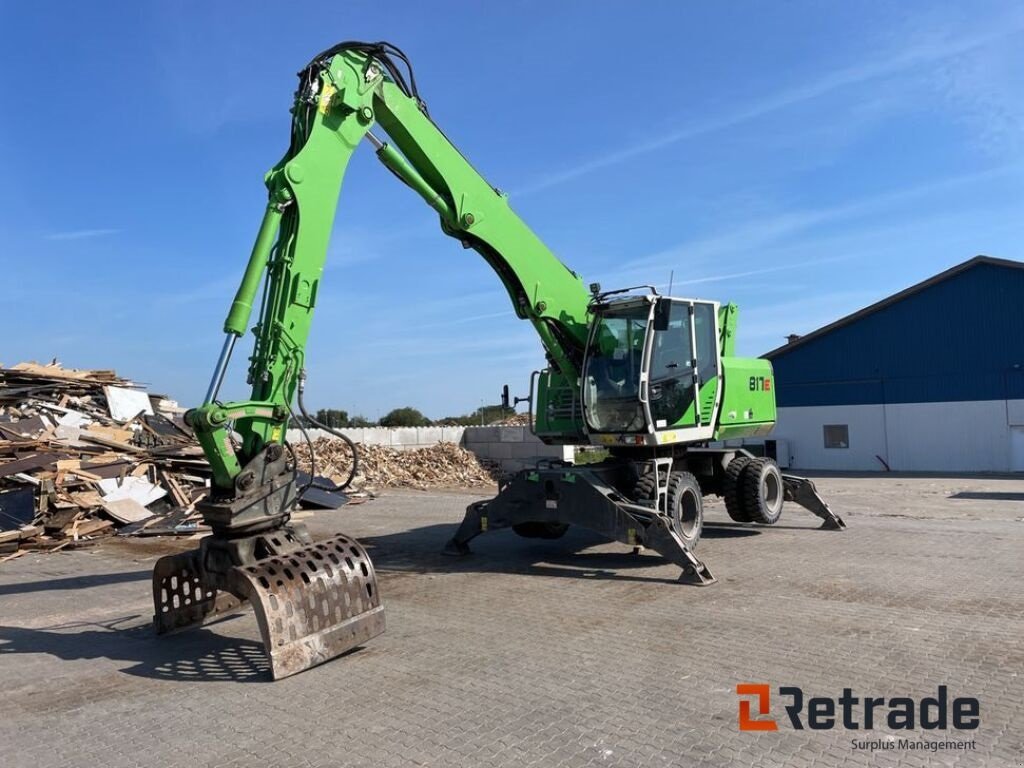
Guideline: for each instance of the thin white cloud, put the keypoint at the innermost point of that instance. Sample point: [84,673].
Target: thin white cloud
[923,53]
[81,234]
[760,233]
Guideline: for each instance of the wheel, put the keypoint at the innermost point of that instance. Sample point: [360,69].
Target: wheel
[644,492]
[686,507]
[731,493]
[761,489]
[539,530]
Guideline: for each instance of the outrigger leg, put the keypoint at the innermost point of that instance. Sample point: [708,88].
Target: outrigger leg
[578,496]
[801,490]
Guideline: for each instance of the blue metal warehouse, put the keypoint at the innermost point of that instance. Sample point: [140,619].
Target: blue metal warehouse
[929,379]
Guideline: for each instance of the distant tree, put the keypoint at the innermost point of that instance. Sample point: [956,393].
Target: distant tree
[489,414]
[333,418]
[361,421]
[486,414]
[404,417]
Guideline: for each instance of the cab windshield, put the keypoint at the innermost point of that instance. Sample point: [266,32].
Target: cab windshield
[611,394]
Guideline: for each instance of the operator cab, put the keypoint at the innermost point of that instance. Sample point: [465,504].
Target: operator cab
[651,373]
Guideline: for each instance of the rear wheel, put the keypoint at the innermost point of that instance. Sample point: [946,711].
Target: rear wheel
[645,489]
[541,530]
[731,492]
[686,507]
[762,491]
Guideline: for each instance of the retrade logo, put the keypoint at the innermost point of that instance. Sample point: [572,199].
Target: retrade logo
[899,713]
[763,693]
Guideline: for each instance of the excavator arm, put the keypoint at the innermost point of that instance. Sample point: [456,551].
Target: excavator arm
[343,94]
[314,601]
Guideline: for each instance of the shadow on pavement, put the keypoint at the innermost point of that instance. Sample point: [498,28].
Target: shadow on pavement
[989,495]
[419,550]
[75,582]
[194,655]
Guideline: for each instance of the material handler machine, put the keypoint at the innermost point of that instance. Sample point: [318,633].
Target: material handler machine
[652,378]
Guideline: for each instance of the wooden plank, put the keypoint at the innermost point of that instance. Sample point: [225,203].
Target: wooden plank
[91,527]
[28,463]
[111,433]
[100,440]
[126,510]
[168,481]
[26,532]
[86,499]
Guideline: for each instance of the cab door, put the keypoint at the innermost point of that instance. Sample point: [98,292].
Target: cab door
[671,370]
[683,369]
[706,339]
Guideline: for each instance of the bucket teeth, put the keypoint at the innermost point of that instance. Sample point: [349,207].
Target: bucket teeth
[312,604]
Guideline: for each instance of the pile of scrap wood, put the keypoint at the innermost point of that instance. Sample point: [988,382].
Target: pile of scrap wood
[444,464]
[83,453]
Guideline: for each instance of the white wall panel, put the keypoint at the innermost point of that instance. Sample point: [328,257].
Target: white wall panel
[804,429]
[949,437]
[911,437]
[1015,413]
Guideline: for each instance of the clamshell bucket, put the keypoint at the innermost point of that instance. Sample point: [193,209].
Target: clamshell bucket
[311,603]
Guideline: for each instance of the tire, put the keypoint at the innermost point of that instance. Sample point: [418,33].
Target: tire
[762,491]
[644,492]
[540,530]
[731,489]
[686,507]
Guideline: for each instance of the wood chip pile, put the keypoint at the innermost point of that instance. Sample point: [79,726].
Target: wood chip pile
[444,464]
[515,420]
[83,453]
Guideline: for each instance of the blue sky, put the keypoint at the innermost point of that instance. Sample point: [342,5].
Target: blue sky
[802,159]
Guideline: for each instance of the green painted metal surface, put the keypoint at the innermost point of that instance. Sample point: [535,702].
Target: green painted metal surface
[332,114]
[748,403]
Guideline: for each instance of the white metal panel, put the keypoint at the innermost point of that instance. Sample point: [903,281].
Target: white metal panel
[912,437]
[1017,449]
[949,437]
[1015,413]
[804,429]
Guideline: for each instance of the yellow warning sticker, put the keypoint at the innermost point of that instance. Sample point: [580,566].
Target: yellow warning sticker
[325,98]
[275,434]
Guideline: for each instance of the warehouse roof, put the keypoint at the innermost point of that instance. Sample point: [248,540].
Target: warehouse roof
[889,301]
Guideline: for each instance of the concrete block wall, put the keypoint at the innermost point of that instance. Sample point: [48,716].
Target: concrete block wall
[402,438]
[514,447]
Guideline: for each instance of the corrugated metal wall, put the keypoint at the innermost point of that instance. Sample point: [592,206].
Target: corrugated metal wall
[956,340]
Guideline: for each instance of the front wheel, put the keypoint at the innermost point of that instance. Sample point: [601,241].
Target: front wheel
[732,491]
[762,491]
[686,508]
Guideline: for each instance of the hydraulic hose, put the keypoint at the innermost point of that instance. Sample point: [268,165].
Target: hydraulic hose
[321,425]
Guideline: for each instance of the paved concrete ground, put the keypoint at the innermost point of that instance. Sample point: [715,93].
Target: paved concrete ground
[544,653]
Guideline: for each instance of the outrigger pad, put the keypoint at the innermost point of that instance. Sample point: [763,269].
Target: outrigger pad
[801,490]
[312,604]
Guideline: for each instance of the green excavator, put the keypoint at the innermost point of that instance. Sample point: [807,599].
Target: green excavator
[652,378]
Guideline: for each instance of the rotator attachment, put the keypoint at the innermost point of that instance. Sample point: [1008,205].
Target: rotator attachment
[801,490]
[311,602]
